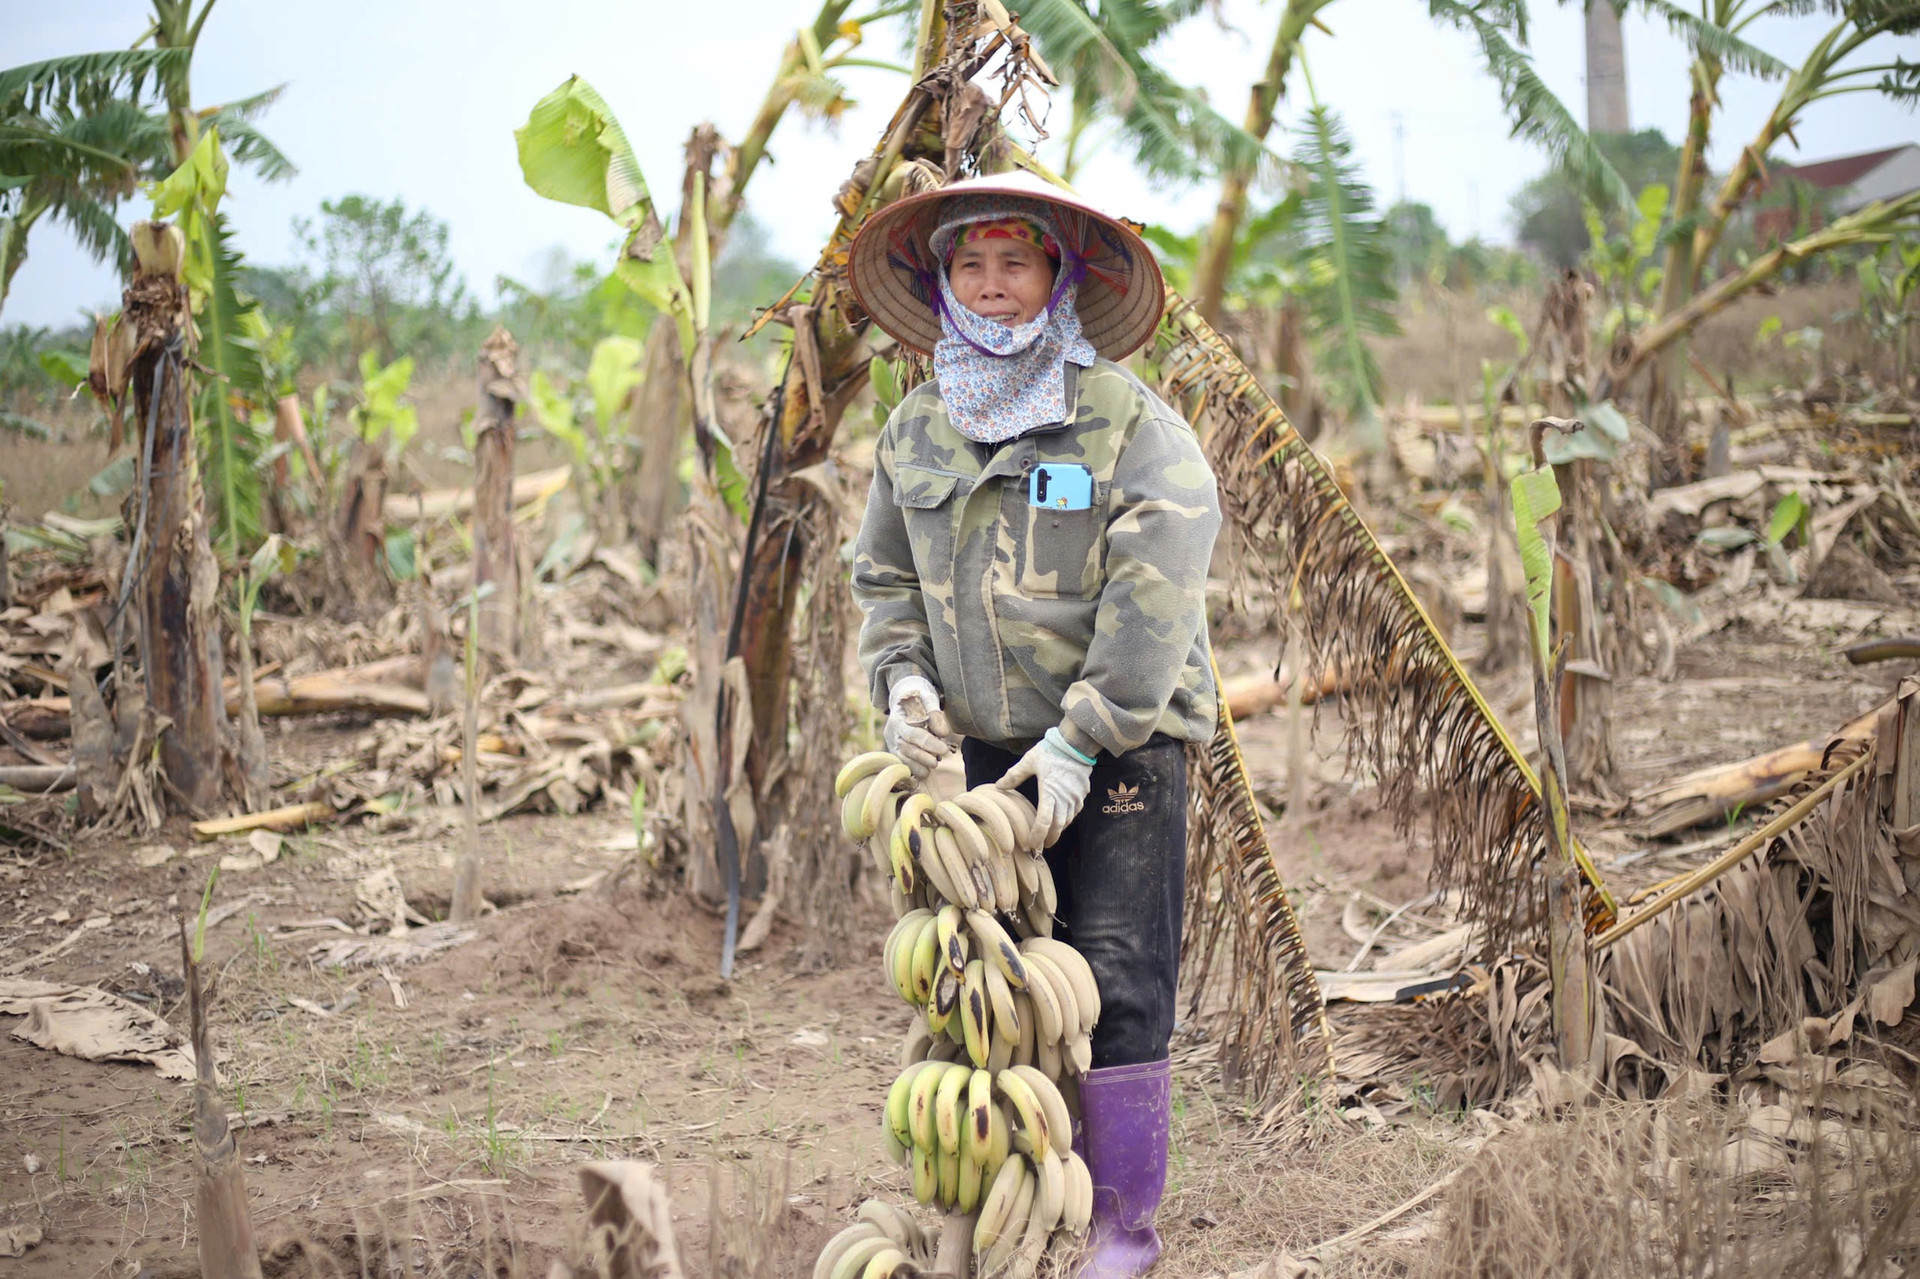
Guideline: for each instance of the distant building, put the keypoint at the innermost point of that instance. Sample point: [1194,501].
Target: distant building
[1840,186]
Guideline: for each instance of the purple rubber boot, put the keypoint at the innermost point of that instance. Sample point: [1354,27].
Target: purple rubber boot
[1124,1110]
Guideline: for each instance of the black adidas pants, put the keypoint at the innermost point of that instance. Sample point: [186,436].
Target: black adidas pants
[1120,870]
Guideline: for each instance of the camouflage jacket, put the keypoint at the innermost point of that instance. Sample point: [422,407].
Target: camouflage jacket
[1026,617]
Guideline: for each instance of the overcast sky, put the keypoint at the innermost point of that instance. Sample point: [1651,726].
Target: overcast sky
[419,99]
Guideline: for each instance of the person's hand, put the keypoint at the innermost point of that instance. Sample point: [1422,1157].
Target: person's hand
[1063,774]
[913,706]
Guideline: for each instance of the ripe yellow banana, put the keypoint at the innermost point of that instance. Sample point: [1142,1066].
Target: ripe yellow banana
[1080,1053]
[1033,1241]
[1005,880]
[1034,1135]
[973,1011]
[1041,971]
[992,819]
[973,840]
[996,1207]
[1050,1193]
[1048,897]
[999,1053]
[836,1248]
[897,1224]
[947,1108]
[1028,874]
[1078,1213]
[1046,1008]
[1029,1029]
[853,809]
[998,948]
[979,1119]
[927,859]
[885,1263]
[1079,974]
[861,766]
[1039,923]
[954,938]
[914,1046]
[1047,1093]
[945,1001]
[915,809]
[906,876]
[879,792]
[1013,1232]
[1019,815]
[926,960]
[1049,1058]
[852,1262]
[1006,1015]
[966,891]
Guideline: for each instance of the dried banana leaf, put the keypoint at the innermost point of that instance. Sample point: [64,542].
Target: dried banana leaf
[1416,720]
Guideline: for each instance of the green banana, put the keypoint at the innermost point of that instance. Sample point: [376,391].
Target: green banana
[947,1108]
[925,959]
[926,1174]
[920,1115]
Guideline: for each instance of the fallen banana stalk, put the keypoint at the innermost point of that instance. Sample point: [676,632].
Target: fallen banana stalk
[1690,883]
[1711,794]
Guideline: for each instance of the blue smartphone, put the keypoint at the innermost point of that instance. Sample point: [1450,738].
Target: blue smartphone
[1060,486]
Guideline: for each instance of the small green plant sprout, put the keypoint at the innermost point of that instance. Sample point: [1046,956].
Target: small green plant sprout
[1792,514]
[600,448]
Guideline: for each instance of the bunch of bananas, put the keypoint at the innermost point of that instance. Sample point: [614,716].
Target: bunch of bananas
[983,1109]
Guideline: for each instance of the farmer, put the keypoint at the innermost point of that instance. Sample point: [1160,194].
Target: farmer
[1033,562]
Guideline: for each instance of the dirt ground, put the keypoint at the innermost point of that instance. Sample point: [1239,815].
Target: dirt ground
[440,1117]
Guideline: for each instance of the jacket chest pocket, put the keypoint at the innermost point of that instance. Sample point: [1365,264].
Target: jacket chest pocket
[1064,553]
[925,499]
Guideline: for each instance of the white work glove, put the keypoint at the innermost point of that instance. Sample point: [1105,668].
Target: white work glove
[1064,775]
[912,707]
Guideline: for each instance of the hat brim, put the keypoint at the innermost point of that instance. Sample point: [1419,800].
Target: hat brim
[1119,299]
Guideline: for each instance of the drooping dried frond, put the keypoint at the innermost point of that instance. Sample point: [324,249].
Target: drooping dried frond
[1417,722]
[1796,930]
[1242,938]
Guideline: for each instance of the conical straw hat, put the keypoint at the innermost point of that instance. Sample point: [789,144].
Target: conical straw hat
[891,265]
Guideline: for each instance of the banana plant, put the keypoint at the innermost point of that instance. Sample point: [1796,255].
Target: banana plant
[1350,268]
[1535,497]
[600,450]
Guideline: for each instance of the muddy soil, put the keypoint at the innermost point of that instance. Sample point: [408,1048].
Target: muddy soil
[433,1123]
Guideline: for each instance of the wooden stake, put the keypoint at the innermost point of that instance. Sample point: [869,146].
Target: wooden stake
[493,557]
